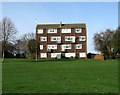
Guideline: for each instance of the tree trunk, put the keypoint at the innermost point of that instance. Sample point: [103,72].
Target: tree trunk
[3,56]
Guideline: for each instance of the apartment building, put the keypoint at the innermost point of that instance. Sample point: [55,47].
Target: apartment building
[61,40]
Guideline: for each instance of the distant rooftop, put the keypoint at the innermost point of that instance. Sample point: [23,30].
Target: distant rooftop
[61,25]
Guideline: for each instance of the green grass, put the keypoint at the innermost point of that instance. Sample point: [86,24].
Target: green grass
[0,75]
[60,76]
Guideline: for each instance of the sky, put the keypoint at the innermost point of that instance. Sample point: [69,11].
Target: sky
[98,16]
[60,0]
[119,13]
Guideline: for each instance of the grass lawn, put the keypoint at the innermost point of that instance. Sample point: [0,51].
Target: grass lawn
[0,76]
[60,76]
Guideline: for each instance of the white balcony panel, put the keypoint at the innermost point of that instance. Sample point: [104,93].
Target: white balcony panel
[78,46]
[66,31]
[43,38]
[43,55]
[52,30]
[83,54]
[70,38]
[65,46]
[56,38]
[82,38]
[51,46]
[55,55]
[39,31]
[70,54]
[78,30]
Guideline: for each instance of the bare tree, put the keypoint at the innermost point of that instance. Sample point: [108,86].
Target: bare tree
[103,42]
[32,48]
[22,43]
[116,40]
[28,36]
[0,39]
[7,32]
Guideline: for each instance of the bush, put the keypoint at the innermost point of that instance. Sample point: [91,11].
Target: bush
[118,56]
[31,56]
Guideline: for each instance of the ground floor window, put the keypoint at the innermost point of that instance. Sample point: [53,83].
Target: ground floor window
[70,54]
[43,55]
[55,55]
[82,54]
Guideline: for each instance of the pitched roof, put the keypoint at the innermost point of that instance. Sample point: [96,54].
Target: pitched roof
[78,25]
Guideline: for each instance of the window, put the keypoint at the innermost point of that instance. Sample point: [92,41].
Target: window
[43,55]
[70,38]
[55,55]
[51,47]
[66,30]
[82,38]
[78,30]
[65,46]
[83,54]
[41,47]
[57,39]
[69,54]
[78,46]
[43,38]
[52,30]
[40,31]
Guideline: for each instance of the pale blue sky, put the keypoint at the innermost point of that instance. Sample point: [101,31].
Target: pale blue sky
[97,16]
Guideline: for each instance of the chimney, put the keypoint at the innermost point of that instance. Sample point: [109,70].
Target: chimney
[60,24]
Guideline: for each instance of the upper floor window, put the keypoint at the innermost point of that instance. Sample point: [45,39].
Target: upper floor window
[56,38]
[40,31]
[52,30]
[51,47]
[82,38]
[70,38]
[78,30]
[41,47]
[78,46]
[65,46]
[66,31]
[43,38]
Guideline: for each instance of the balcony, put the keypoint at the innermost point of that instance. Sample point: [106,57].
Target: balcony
[50,51]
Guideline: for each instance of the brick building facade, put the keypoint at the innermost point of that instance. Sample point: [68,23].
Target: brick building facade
[61,40]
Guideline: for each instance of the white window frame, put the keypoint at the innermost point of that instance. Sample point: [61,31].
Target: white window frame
[82,38]
[78,46]
[78,30]
[52,30]
[70,54]
[55,55]
[63,47]
[66,31]
[82,54]
[43,55]
[70,38]
[41,39]
[41,47]
[40,31]
[58,38]
[49,47]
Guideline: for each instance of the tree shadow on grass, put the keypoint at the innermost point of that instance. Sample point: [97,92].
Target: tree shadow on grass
[46,60]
